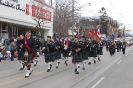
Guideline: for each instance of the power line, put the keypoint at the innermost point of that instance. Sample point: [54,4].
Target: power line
[117,11]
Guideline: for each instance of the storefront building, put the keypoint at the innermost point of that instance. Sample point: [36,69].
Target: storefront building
[16,16]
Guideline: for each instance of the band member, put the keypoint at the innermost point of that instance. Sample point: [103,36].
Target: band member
[112,48]
[20,52]
[99,49]
[29,47]
[123,47]
[66,49]
[84,51]
[93,50]
[58,48]
[77,54]
[38,45]
[49,52]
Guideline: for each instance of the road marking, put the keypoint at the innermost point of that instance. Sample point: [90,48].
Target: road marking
[98,82]
[11,81]
[119,62]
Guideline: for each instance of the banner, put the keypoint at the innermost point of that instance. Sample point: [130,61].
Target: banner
[98,33]
[41,13]
[27,9]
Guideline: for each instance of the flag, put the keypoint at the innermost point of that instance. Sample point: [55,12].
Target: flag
[123,33]
[98,33]
[27,9]
[92,32]
[113,36]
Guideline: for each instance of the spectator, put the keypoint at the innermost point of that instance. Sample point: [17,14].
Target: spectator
[13,49]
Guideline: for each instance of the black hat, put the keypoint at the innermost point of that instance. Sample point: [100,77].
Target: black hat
[48,36]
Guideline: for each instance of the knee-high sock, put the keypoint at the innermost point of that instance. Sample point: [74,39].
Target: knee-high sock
[57,62]
[49,65]
[78,66]
[89,59]
[35,61]
[94,58]
[84,63]
[21,64]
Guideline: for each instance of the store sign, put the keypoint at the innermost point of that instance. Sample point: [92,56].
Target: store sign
[12,4]
[41,13]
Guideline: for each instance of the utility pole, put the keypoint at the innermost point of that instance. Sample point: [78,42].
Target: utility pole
[73,18]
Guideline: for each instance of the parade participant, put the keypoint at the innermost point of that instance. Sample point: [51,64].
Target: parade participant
[38,45]
[77,54]
[49,52]
[29,48]
[21,51]
[99,49]
[93,50]
[66,50]
[84,51]
[58,48]
[112,48]
[123,47]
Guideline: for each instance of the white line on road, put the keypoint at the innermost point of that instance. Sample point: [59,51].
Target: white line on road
[98,82]
[119,62]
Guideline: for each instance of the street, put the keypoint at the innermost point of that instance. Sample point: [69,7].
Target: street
[111,72]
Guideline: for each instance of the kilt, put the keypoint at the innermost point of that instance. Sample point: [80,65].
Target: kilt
[85,55]
[57,55]
[99,52]
[20,55]
[77,57]
[49,57]
[65,53]
[92,54]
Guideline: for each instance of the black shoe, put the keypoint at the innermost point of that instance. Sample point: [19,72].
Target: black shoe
[94,62]
[26,76]
[48,70]
[34,65]
[83,68]
[89,63]
[50,66]
[66,63]
[75,69]
[76,72]
[56,66]
[30,72]
[99,59]
[31,61]
[21,69]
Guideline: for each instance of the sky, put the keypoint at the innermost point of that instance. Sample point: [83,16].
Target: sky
[121,10]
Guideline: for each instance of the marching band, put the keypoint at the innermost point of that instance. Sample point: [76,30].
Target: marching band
[80,49]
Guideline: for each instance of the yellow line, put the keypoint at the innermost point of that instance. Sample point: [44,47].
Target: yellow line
[24,77]
[11,81]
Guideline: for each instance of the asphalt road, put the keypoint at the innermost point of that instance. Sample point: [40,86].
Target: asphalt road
[111,72]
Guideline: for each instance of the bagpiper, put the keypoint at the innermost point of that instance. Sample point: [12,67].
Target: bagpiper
[66,49]
[49,52]
[99,49]
[28,53]
[58,48]
[77,54]
[84,51]
[38,45]
[93,50]
[20,52]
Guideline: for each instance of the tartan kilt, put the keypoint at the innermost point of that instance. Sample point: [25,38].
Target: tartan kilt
[77,57]
[100,52]
[49,57]
[57,55]
[85,55]
[65,53]
[92,54]
[20,55]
